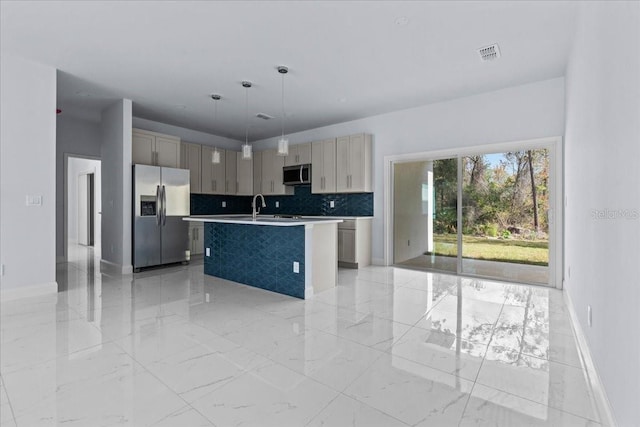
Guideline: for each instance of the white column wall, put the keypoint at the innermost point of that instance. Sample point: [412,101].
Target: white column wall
[116,186]
[27,153]
[602,188]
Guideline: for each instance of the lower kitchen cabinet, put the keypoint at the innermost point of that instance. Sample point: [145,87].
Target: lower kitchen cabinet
[196,237]
[354,243]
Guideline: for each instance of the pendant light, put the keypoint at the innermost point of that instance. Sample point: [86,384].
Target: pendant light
[247,152]
[283,143]
[215,154]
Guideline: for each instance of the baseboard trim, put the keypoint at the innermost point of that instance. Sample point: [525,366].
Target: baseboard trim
[21,292]
[113,269]
[378,261]
[604,406]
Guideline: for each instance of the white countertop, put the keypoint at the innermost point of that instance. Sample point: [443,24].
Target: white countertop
[262,220]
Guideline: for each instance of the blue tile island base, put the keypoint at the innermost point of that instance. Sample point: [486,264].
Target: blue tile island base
[263,256]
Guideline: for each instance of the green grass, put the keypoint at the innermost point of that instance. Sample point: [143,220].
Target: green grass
[535,252]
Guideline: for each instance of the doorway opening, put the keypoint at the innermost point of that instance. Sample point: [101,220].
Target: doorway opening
[486,212]
[83,209]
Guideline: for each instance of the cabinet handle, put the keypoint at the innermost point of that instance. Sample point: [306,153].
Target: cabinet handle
[237,186]
[213,187]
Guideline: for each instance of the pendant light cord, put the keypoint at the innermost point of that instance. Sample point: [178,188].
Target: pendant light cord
[282,121]
[246,116]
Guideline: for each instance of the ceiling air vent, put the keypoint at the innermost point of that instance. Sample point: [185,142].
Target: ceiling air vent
[489,53]
[264,116]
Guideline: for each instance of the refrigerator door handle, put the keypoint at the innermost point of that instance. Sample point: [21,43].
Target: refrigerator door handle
[164,206]
[158,205]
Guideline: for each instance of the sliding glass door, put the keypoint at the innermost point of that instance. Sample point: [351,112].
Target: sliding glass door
[480,214]
[505,198]
[425,214]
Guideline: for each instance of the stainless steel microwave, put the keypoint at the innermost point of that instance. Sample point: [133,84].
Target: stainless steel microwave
[296,175]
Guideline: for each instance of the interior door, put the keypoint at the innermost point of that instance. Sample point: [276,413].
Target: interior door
[85,209]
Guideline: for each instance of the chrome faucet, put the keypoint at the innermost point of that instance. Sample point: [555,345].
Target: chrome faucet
[255,211]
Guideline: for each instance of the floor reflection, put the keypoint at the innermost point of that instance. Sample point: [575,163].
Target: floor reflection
[388,346]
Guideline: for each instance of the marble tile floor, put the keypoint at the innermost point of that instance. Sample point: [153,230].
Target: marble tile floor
[387,347]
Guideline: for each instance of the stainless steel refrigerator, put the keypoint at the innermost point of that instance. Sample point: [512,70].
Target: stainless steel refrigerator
[160,201]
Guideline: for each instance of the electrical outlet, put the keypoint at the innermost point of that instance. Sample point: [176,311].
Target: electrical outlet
[277,204]
[207,298]
[332,204]
[296,267]
[589,316]
[208,251]
[224,204]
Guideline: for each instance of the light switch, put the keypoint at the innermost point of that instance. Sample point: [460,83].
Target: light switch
[277,204]
[34,200]
[208,251]
[332,204]
[224,204]
[296,267]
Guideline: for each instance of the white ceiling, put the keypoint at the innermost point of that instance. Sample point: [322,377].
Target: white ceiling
[347,60]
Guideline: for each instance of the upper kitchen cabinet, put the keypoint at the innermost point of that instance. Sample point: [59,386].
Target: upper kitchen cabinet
[323,166]
[214,179]
[190,158]
[155,149]
[244,171]
[353,167]
[272,177]
[257,172]
[231,177]
[299,154]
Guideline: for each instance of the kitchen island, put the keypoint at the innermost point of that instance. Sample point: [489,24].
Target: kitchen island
[291,256]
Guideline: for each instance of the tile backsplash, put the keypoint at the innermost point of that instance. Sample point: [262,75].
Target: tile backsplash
[303,202]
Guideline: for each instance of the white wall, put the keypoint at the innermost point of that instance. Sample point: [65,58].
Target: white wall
[76,167]
[602,151]
[73,136]
[27,150]
[187,135]
[116,188]
[409,222]
[523,112]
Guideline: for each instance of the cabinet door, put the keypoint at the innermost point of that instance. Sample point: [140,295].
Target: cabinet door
[291,159]
[356,162]
[317,167]
[347,245]
[231,178]
[219,174]
[167,152]
[142,149]
[213,175]
[323,166]
[278,177]
[257,172]
[342,164]
[268,164]
[329,166]
[304,153]
[190,158]
[244,172]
